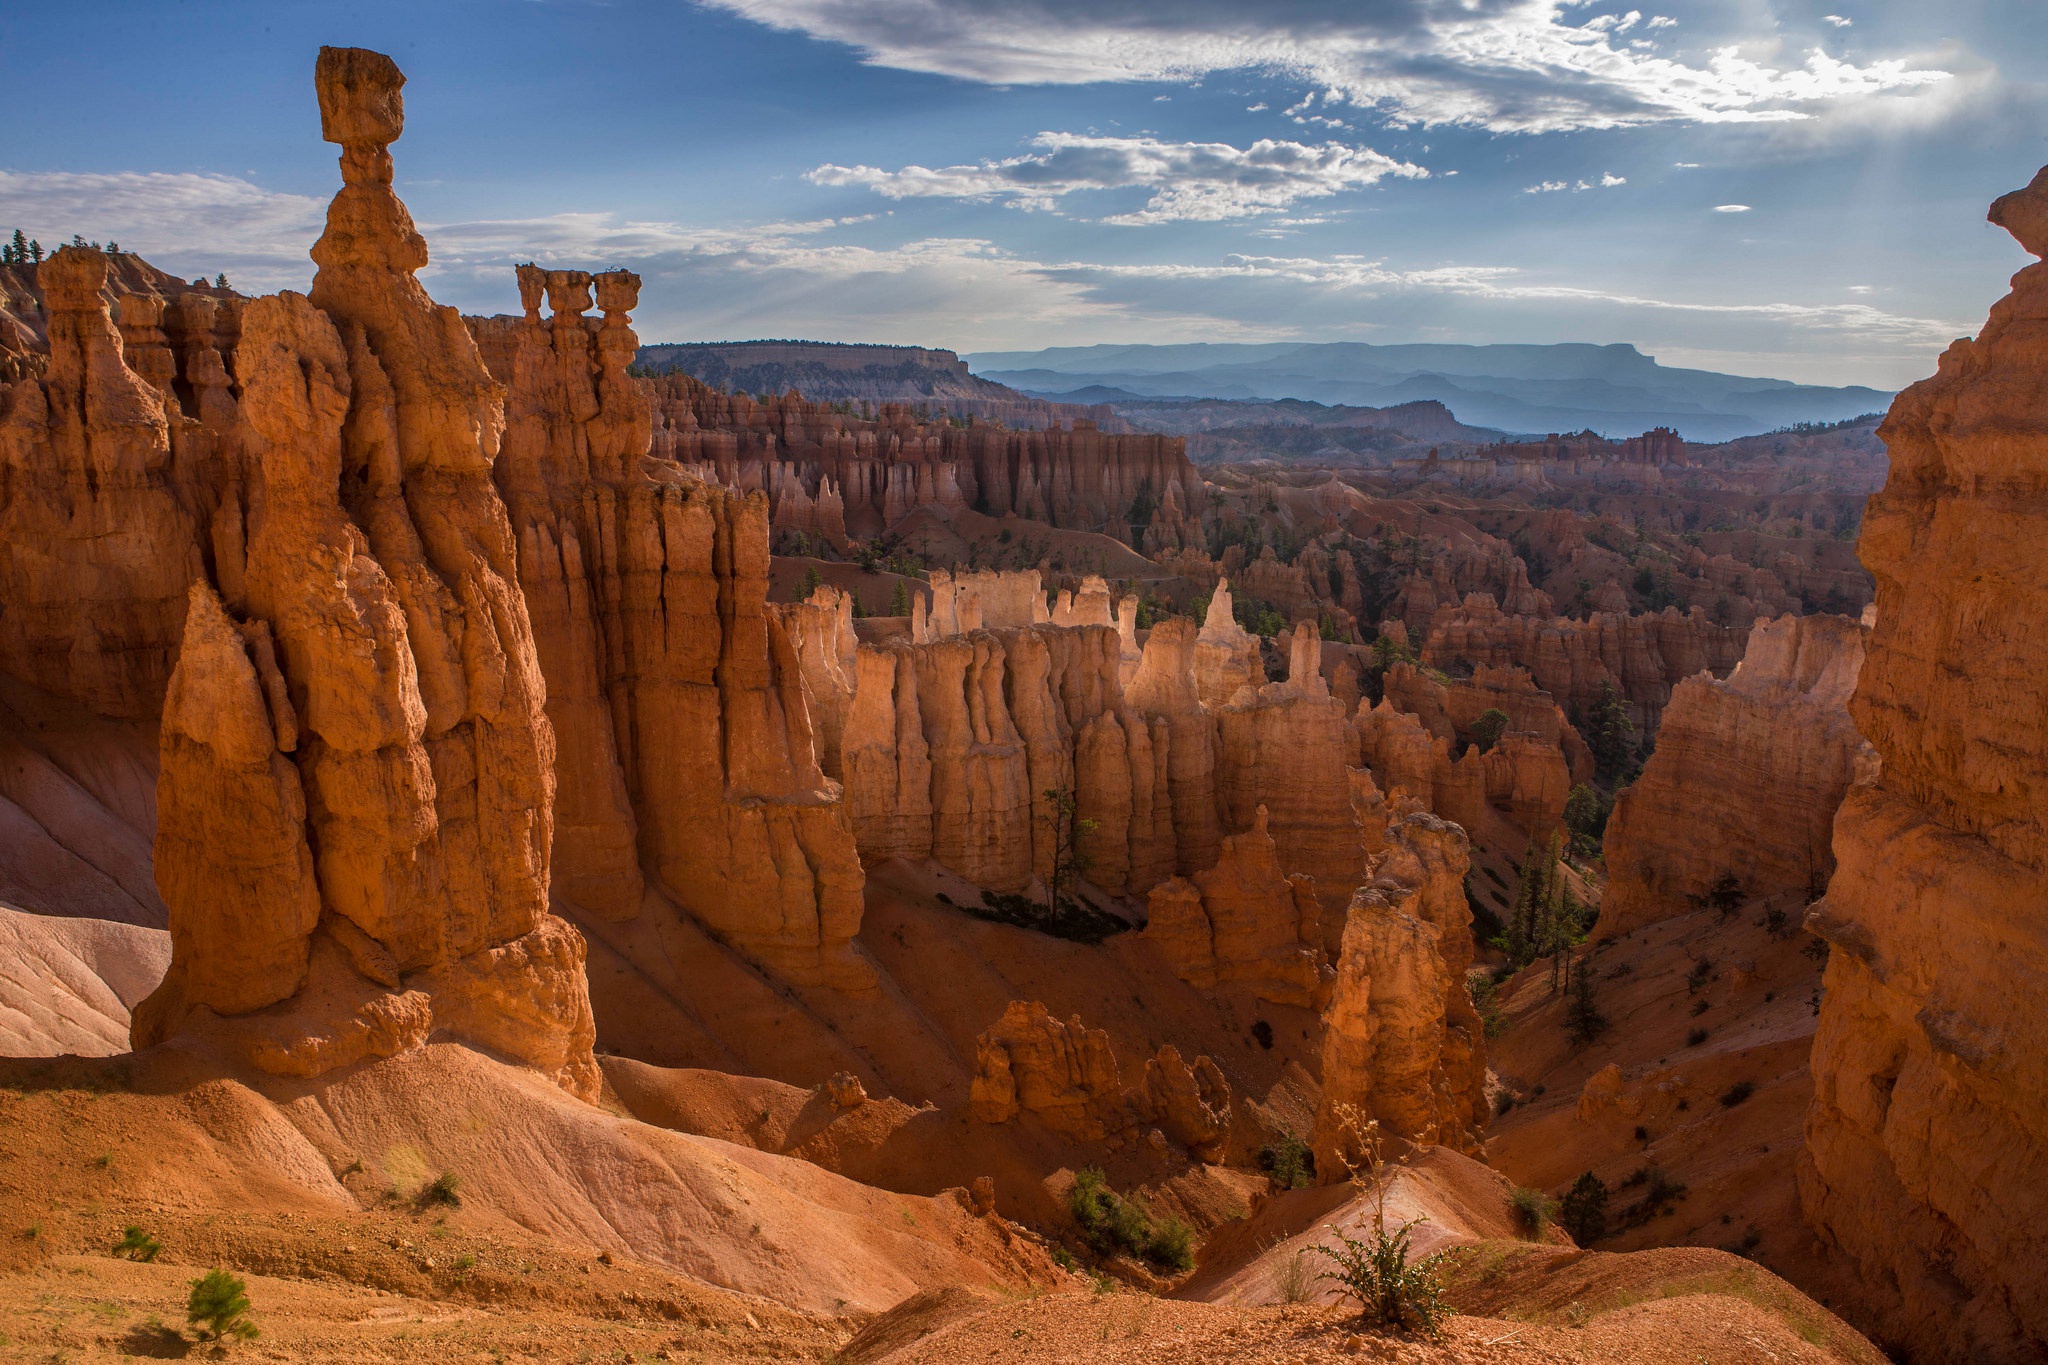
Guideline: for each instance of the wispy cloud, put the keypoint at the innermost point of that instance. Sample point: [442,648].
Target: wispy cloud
[1505,65]
[1199,181]
[183,222]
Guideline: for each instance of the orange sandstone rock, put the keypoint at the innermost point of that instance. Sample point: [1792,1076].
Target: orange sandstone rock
[392,740]
[1746,778]
[1927,1139]
[1243,922]
[1402,1043]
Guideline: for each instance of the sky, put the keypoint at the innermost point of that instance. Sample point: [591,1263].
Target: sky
[1769,187]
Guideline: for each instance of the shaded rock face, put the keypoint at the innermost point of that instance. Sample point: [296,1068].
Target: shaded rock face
[353,816]
[1642,656]
[1402,1043]
[1242,922]
[688,755]
[98,524]
[1746,778]
[1284,747]
[1066,1076]
[1928,1134]
[832,473]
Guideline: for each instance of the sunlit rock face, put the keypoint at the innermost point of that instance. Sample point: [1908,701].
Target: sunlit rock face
[1927,1159]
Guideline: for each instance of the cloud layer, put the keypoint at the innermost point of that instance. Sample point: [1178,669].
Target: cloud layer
[1504,65]
[1189,181]
[837,279]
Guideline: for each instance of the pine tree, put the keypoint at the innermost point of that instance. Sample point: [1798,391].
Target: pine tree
[222,281]
[18,249]
[809,583]
[35,251]
[1582,1015]
[899,599]
[1613,737]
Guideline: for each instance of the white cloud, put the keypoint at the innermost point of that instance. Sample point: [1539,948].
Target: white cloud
[1201,181]
[1505,65]
[186,223]
[1686,165]
[1608,182]
[1837,20]
[1731,208]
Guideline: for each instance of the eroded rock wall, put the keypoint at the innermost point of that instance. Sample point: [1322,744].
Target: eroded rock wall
[1746,778]
[694,760]
[1927,1139]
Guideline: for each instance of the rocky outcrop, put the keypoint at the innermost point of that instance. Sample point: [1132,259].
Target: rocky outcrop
[689,755]
[1226,654]
[1065,1075]
[1927,1138]
[1283,748]
[1642,656]
[1243,922]
[98,533]
[874,471]
[950,747]
[961,603]
[1402,1044]
[356,793]
[1746,778]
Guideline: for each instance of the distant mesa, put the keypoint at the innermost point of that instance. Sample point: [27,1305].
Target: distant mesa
[1612,390]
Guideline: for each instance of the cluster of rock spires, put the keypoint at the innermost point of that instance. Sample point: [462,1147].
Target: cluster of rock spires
[835,475]
[448,630]
[452,624]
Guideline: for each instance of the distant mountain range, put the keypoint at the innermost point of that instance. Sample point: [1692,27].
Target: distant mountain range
[1614,390]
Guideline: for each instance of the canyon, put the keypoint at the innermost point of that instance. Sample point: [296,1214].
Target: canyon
[474,847]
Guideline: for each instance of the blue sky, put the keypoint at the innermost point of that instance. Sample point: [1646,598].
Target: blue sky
[1760,186]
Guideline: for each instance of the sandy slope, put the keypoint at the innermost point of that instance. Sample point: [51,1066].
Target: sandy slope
[66,985]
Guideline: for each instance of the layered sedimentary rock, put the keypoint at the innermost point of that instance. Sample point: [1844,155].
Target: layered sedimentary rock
[98,533]
[1746,778]
[1927,1139]
[871,472]
[1448,708]
[1066,1076]
[964,602]
[1402,1045]
[356,793]
[1283,748]
[1243,922]
[689,755]
[1405,760]
[1642,656]
[950,747]
[1226,654]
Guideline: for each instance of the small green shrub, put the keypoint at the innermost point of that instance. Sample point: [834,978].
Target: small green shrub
[1531,1209]
[1390,1291]
[1289,1163]
[1737,1093]
[1112,1223]
[1583,1211]
[1171,1243]
[1695,1037]
[137,1245]
[218,1307]
[445,1188]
